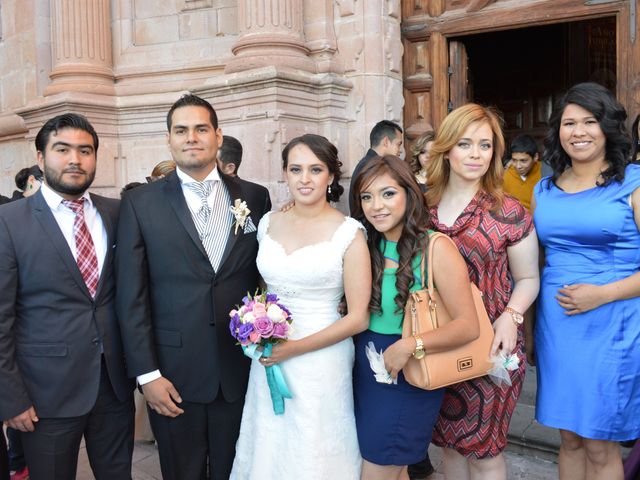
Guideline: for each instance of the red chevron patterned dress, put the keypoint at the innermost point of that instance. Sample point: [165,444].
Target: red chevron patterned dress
[475,415]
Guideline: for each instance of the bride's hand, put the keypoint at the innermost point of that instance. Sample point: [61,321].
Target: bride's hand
[282,351]
[397,355]
[287,206]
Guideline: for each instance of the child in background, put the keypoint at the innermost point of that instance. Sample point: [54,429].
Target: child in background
[524,170]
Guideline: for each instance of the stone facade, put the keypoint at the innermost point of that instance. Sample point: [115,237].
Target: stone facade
[273,69]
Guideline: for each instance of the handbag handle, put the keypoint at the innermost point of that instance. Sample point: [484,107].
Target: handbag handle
[432,240]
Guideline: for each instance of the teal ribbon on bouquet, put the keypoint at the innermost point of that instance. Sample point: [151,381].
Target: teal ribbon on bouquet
[275,379]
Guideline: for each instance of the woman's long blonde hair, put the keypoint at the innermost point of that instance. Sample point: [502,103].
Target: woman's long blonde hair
[451,130]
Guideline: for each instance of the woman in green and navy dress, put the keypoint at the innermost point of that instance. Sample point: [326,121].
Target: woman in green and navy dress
[394,421]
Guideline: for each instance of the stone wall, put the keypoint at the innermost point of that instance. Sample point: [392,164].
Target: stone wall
[273,69]
[23,73]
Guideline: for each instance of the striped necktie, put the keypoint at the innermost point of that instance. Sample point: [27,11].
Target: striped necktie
[86,257]
[213,224]
[202,190]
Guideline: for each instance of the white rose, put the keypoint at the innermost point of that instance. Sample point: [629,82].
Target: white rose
[248,318]
[275,314]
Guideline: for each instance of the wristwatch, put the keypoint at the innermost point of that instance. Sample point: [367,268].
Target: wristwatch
[515,315]
[419,352]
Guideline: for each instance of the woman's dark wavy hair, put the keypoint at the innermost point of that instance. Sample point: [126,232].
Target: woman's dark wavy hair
[326,152]
[414,238]
[635,141]
[611,116]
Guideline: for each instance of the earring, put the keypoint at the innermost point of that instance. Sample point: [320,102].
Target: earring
[30,187]
[329,190]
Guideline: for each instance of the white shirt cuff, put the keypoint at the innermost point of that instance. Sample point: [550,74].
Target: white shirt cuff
[148,377]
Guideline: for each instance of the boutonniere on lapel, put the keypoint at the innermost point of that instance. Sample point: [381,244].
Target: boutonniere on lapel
[241,213]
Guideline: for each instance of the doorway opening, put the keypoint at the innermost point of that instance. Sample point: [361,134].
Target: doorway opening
[522,72]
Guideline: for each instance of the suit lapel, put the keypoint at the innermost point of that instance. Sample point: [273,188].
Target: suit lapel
[235,192]
[108,226]
[173,192]
[43,214]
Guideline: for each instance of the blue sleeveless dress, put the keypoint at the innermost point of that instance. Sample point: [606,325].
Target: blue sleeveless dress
[588,365]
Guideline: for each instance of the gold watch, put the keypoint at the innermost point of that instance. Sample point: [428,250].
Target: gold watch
[419,352]
[515,315]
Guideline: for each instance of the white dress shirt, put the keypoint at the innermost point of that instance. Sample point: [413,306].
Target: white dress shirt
[193,200]
[194,203]
[65,217]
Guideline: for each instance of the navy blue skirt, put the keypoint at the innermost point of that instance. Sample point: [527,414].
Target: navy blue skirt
[394,422]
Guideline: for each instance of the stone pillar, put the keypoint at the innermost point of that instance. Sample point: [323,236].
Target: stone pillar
[320,35]
[81,47]
[271,34]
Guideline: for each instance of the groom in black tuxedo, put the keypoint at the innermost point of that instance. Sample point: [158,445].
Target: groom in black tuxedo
[182,265]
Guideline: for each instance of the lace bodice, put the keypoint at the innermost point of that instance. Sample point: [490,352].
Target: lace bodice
[309,278]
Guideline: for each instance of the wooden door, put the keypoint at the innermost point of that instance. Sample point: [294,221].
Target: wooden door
[460,91]
[430,27]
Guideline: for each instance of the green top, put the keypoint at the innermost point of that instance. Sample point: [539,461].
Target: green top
[389,321]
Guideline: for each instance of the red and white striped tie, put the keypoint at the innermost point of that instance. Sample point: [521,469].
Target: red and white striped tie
[86,252]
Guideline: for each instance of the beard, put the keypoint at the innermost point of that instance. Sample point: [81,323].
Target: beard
[55,181]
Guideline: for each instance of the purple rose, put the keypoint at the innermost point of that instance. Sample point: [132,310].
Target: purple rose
[264,326]
[244,330]
[280,330]
[234,324]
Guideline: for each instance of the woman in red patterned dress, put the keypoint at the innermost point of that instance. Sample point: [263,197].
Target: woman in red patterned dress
[495,235]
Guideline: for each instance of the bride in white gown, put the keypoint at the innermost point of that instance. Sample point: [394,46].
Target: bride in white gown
[309,256]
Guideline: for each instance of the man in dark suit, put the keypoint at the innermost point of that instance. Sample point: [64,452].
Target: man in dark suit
[181,267]
[62,371]
[385,139]
[230,156]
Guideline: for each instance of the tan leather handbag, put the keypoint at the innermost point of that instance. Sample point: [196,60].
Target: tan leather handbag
[425,312]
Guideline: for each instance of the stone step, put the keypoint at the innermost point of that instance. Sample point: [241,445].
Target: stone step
[528,437]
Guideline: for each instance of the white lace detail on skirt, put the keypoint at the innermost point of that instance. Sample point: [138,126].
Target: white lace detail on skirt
[316,438]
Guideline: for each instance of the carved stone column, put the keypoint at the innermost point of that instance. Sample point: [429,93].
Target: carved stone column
[320,35]
[81,47]
[271,34]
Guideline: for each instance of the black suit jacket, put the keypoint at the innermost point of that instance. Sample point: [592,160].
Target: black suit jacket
[174,309]
[50,327]
[369,155]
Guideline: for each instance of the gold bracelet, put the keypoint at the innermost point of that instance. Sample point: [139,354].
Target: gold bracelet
[419,352]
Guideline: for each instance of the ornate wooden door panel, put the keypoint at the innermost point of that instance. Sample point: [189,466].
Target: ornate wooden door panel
[459,87]
[429,27]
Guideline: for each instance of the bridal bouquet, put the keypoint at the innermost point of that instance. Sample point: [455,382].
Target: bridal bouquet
[258,324]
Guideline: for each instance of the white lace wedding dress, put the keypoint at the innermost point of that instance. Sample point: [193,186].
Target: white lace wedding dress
[315,438]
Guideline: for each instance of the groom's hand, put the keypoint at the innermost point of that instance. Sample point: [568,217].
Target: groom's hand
[161,396]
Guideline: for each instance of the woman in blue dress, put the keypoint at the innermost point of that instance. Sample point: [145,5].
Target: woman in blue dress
[587,336]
